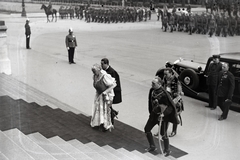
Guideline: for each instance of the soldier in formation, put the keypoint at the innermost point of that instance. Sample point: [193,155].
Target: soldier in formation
[220,24]
[115,15]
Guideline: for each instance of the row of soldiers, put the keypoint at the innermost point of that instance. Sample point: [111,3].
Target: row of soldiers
[115,15]
[220,24]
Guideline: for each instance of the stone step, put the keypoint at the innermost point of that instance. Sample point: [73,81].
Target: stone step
[129,154]
[143,156]
[120,155]
[49,122]
[102,151]
[87,150]
[159,156]
[28,145]
[68,148]
[51,148]
[11,150]
[18,89]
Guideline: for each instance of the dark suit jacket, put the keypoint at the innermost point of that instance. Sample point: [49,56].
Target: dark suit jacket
[226,85]
[117,90]
[27,29]
[213,71]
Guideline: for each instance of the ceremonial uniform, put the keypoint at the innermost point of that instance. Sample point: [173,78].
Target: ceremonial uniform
[27,33]
[165,22]
[238,26]
[160,104]
[171,23]
[225,26]
[226,85]
[212,81]
[232,26]
[191,24]
[219,22]
[71,43]
[212,25]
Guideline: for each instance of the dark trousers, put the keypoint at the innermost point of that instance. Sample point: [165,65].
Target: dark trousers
[71,54]
[152,121]
[27,41]
[224,106]
[212,90]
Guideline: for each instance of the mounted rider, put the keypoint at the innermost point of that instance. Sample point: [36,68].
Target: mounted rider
[50,6]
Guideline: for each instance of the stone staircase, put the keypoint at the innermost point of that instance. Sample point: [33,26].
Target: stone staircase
[32,131]
[16,145]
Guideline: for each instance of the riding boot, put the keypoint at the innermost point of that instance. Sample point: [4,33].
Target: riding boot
[166,147]
[151,142]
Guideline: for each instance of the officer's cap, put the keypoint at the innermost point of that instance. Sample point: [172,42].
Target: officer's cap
[27,20]
[216,56]
[70,30]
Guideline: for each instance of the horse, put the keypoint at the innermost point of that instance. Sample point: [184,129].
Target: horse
[49,12]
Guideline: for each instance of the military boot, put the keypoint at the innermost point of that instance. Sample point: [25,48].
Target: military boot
[166,147]
[151,143]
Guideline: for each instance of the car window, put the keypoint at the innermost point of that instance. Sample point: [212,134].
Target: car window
[235,69]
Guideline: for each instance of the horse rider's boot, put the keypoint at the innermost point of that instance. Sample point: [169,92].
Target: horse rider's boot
[166,150]
[151,143]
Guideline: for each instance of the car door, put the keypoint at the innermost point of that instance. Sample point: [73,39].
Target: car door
[234,67]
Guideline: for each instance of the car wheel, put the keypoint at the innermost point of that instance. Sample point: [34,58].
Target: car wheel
[189,78]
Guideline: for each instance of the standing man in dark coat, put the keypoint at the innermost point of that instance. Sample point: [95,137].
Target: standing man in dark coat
[212,80]
[71,44]
[27,33]
[160,106]
[117,90]
[226,85]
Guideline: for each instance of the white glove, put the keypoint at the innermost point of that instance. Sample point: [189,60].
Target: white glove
[67,48]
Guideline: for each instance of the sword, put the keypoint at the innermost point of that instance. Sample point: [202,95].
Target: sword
[159,132]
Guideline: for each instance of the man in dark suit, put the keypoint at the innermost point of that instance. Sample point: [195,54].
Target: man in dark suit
[27,33]
[71,44]
[212,77]
[117,90]
[226,85]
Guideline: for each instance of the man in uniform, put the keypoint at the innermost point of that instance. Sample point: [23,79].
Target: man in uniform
[225,25]
[174,9]
[232,25]
[162,109]
[212,25]
[165,22]
[191,23]
[171,22]
[174,88]
[219,22]
[186,22]
[50,6]
[71,44]
[226,85]
[180,22]
[204,23]
[238,25]
[27,33]
[212,80]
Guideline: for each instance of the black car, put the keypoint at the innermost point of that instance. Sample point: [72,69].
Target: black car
[193,76]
